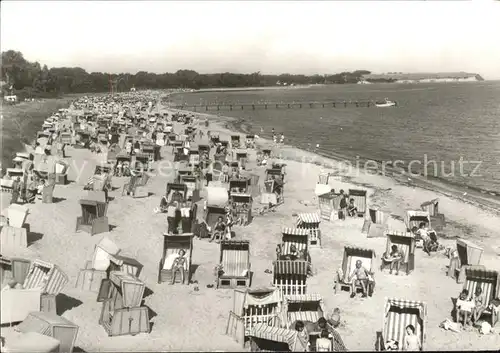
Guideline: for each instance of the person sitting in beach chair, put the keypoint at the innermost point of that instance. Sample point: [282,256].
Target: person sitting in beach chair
[464,307]
[411,341]
[352,210]
[394,258]
[359,276]
[219,229]
[323,343]
[302,334]
[479,301]
[119,169]
[178,266]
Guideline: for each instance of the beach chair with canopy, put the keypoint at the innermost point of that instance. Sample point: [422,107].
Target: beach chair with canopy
[242,207]
[437,219]
[302,307]
[183,171]
[468,252]
[235,261]
[172,244]
[94,271]
[149,150]
[298,237]
[275,171]
[252,307]
[413,218]
[235,141]
[125,160]
[121,296]
[264,338]
[351,255]
[193,187]
[6,187]
[140,161]
[398,314]
[489,281]
[359,197]
[51,325]
[406,243]
[324,178]
[250,141]
[290,276]
[310,222]
[217,200]
[241,156]
[14,234]
[47,277]
[266,153]
[203,148]
[239,186]
[194,157]
[93,219]
[329,205]
[176,192]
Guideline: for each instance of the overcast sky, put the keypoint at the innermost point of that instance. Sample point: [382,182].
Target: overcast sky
[271,37]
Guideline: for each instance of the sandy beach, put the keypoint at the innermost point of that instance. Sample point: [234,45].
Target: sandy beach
[188,320]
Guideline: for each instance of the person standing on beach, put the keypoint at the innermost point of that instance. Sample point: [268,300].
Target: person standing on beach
[282,138]
[343,205]
[16,188]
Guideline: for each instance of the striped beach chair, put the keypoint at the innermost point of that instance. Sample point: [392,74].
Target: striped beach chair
[235,260]
[413,218]
[351,255]
[359,197]
[310,221]
[406,243]
[489,281]
[290,276]
[252,307]
[49,277]
[266,338]
[398,314]
[303,307]
[294,236]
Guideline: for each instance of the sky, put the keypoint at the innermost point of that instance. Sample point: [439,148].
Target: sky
[300,37]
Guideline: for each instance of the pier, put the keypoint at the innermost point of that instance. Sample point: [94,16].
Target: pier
[274,105]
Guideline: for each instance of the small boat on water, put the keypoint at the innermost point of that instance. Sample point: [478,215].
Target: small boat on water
[385,103]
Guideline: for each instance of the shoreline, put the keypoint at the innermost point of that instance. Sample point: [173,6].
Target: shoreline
[225,124]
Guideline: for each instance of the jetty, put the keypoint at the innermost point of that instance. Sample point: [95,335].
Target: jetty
[275,105]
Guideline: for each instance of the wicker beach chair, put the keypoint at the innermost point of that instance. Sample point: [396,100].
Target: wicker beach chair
[290,276]
[252,307]
[235,260]
[406,243]
[93,219]
[398,314]
[351,255]
[489,281]
[359,197]
[266,338]
[413,218]
[310,222]
[302,307]
[172,244]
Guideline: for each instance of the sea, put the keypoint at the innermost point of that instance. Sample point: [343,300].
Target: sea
[447,133]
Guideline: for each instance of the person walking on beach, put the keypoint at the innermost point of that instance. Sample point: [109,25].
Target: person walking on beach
[282,138]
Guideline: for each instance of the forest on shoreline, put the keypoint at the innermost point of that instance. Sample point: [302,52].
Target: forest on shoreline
[33,80]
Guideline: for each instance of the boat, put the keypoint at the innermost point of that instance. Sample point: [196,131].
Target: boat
[385,103]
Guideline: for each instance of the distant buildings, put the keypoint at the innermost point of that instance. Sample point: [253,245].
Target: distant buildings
[399,77]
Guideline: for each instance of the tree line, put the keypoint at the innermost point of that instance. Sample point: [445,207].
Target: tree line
[31,79]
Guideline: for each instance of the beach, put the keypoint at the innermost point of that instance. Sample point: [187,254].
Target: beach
[188,320]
